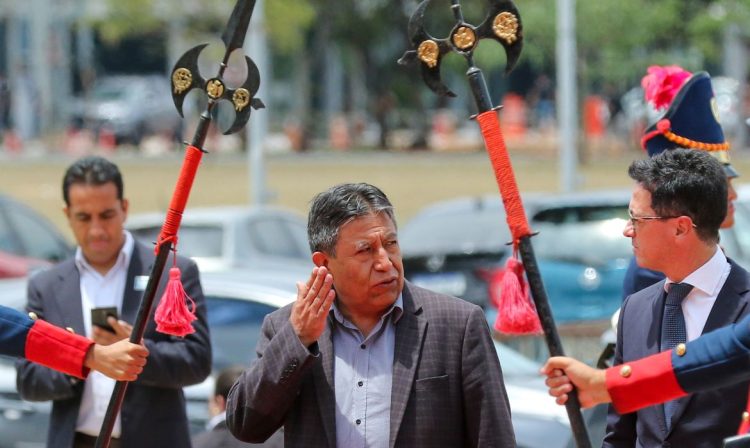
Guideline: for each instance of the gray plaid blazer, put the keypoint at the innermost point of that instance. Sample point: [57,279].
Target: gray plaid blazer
[447,391]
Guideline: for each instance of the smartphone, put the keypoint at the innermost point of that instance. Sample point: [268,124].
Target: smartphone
[99,317]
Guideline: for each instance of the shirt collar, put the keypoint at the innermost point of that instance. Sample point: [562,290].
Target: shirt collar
[215,420]
[397,309]
[708,277]
[123,258]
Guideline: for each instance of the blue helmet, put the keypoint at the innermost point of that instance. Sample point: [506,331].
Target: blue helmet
[691,122]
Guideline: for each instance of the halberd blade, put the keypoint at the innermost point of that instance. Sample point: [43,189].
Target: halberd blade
[234,35]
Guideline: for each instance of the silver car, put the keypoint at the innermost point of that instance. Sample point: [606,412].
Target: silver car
[221,238]
[128,106]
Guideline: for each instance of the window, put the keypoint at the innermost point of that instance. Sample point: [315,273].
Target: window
[273,236]
[192,240]
[235,328]
[36,239]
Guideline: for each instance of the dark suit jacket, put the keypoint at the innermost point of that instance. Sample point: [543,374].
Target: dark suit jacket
[153,411]
[220,437]
[447,387]
[702,419]
[637,278]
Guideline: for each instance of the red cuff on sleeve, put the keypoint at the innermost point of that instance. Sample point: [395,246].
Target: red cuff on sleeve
[57,349]
[645,382]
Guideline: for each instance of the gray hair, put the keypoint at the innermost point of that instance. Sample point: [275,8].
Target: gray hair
[338,205]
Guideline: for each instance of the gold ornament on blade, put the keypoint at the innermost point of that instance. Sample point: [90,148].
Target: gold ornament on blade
[182,79]
[428,53]
[215,88]
[505,27]
[464,38]
[240,98]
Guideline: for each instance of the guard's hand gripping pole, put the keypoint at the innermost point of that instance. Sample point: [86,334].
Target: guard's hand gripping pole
[502,24]
[185,77]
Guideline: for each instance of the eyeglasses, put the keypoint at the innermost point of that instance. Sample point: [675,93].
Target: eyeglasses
[634,219]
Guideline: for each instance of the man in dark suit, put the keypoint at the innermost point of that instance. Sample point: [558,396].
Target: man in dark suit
[217,434]
[692,124]
[677,205]
[110,269]
[363,358]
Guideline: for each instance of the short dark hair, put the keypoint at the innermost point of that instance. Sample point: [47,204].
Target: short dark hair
[91,170]
[686,182]
[337,206]
[226,379]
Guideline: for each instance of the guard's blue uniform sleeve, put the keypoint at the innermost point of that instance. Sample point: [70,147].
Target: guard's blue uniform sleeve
[14,328]
[716,359]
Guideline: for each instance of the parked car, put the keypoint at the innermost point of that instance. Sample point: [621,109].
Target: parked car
[220,238]
[129,106]
[28,241]
[459,247]
[237,303]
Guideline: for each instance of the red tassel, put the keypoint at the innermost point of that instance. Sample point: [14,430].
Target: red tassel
[173,316]
[516,313]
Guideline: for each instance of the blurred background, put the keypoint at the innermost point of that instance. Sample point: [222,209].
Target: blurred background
[84,77]
[330,80]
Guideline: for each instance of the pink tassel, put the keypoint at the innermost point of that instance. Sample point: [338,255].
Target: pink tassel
[661,84]
[516,313]
[173,316]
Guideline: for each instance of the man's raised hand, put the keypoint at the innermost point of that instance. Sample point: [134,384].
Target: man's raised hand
[310,311]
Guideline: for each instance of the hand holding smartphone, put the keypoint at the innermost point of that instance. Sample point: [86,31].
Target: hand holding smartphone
[99,317]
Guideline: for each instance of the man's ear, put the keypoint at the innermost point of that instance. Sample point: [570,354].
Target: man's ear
[320,259]
[684,224]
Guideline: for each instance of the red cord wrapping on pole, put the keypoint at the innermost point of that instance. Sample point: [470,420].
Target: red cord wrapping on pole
[172,221]
[506,180]
[516,313]
[173,315]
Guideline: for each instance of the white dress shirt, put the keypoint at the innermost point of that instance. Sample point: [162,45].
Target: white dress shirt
[100,291]
[707,282]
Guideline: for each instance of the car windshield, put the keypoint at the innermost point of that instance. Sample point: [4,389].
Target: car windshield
[109,92]
[590,235]
[480,229]
[192,240]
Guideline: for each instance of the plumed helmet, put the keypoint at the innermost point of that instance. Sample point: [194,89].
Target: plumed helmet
[691,120]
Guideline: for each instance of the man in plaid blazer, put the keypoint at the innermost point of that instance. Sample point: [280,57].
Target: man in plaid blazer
[363,358]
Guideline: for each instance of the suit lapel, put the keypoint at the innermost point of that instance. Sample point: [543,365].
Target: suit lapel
[131,298]
[410,331]
[68,301]
[324,385]
[730,303]
[726,310]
